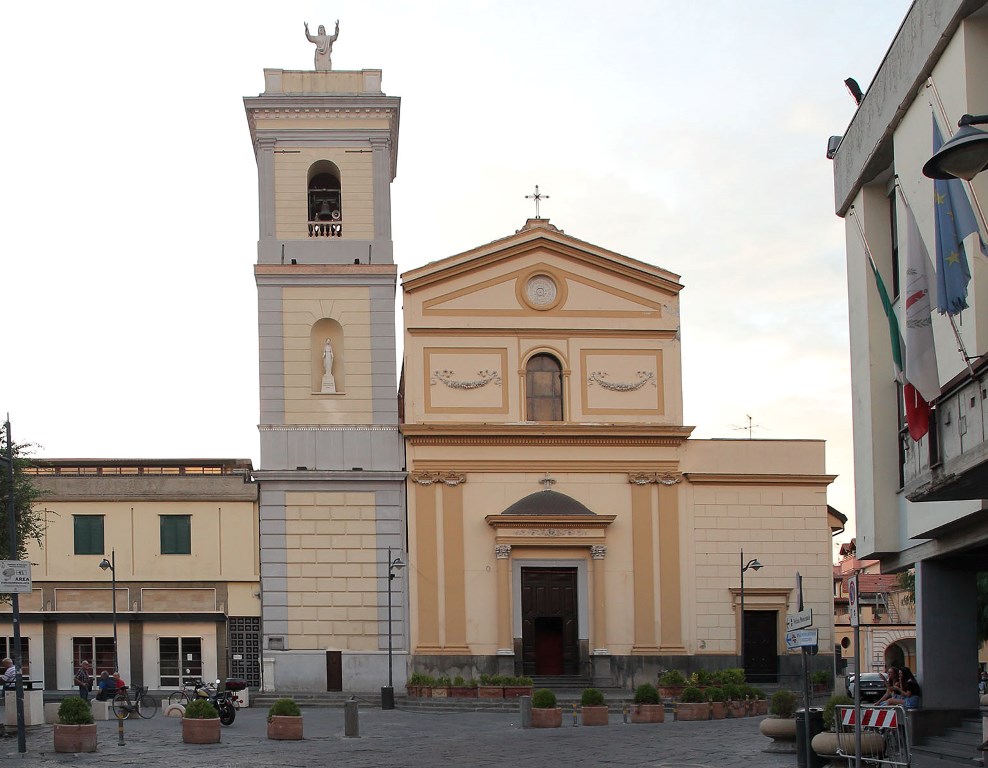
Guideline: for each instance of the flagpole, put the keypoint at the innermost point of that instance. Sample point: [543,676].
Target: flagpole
[967,184]
[953,325]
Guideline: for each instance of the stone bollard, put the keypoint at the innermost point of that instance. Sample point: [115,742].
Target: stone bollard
[351,720]
[526,711]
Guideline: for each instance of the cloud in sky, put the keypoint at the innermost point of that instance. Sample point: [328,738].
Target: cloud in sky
[690,136]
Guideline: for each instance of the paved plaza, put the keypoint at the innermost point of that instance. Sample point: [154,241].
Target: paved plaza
[412,738]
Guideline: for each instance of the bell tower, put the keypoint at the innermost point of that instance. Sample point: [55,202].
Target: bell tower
[331,471]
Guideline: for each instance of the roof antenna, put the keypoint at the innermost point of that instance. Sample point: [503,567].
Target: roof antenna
[749,428]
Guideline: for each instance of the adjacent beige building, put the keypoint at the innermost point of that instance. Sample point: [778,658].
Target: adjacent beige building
[182,536]
[560,519]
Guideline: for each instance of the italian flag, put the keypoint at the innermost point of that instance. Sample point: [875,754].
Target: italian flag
[917,409]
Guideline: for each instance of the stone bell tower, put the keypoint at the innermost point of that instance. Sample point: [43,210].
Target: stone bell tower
[331,472]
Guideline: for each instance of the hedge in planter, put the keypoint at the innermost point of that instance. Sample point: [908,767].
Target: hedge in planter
[691,705]
[593,709]
[545,713]
[285,720]
[647,708]
[718,707]
[780,726]
[201,724]
[75,730]
[671,684]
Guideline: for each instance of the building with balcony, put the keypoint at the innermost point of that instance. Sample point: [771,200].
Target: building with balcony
[920,494]
[182,539]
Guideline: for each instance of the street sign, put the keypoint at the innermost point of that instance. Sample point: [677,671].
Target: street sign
[801,638]
[852,600]
[15,576]
[799,620]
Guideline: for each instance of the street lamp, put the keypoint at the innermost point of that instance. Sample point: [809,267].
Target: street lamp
[754,565]
[965,155]
[104,564]
[388,693]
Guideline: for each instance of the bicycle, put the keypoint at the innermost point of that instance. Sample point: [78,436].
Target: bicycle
[188,692]
[145,705]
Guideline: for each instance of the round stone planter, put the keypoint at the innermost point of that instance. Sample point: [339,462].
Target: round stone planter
[75,738]
[782,731]
[201,731]
[285,727]
[648,713]
[551,717]
[693,711]
[825,745]
[594,715]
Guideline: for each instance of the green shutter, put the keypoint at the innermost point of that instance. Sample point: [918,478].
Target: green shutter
[176,534]
[88,531]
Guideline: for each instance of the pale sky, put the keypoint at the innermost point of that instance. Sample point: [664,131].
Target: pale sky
[691,136]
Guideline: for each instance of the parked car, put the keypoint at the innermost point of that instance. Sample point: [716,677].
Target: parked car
[873,685]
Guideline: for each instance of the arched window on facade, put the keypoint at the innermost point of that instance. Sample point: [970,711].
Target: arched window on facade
[544,389]
[325,201]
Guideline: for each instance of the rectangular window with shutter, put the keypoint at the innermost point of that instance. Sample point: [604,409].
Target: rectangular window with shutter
[176,534]
[88,530]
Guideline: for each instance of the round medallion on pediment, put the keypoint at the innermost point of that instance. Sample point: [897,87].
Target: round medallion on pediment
[541,291]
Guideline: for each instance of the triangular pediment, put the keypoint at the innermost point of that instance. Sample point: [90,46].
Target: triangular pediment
[540,269]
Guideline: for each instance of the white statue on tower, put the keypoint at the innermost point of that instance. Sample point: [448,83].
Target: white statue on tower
[324,46]
[328,381]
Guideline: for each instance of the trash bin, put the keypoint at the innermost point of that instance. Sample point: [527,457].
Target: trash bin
[816,726]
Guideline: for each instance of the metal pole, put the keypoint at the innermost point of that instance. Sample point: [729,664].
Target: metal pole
[857,696]
[743,665]
[806,708]
[113,588]
[391,575]
[15,602]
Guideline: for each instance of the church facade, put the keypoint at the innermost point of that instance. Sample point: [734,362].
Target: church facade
[560,519]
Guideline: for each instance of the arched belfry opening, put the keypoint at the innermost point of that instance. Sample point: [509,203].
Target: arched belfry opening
[543,388]
[325,200]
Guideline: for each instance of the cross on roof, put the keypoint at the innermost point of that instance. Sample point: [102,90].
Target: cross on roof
[548,482]
[537,196]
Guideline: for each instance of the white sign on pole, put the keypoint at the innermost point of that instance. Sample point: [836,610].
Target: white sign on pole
[799,620]
[15,576]
[852,600]
[801,638]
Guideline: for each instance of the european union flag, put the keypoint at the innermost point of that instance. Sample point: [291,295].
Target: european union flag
[955,221]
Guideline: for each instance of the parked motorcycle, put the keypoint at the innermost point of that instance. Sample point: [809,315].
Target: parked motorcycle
[222,699]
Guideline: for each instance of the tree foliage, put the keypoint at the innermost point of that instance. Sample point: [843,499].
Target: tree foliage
[30,521]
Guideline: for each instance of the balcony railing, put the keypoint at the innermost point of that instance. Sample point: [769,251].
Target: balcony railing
[326,228]
[951,463]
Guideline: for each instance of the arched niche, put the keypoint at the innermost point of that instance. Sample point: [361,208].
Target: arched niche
[329,330]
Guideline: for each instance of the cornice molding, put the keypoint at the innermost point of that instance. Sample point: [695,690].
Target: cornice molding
[550,522]
[556,466]
[560,433]
[670,334]
[712,478]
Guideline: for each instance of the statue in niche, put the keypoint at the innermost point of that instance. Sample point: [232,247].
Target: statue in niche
[324,46]
[328,382]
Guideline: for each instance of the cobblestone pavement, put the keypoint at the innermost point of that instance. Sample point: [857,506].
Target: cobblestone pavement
[416,739]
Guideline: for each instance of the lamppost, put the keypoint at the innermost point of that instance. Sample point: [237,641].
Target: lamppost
[104,564]
[388,693]
[754,565]
[14,597]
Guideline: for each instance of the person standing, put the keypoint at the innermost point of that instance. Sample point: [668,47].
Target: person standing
[84,680]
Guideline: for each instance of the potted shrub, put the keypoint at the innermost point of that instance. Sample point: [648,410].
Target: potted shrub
[517,686]
[285,720]
[718,708]
[463,689]
[419,684]
[201,723]
[826,743]
[691,705]
[757,701]
[440,689]
[780,725]
[671,684]
[734,699]
[647,708]
[490,687]
[593,709]
[75,730]
[545,713]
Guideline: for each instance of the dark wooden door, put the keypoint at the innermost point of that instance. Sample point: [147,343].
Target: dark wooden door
[334,670]
[549,633]
[761,646]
